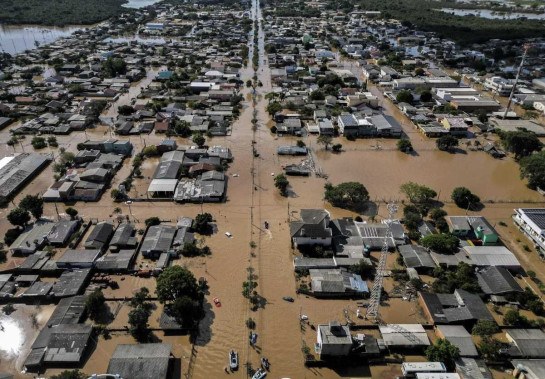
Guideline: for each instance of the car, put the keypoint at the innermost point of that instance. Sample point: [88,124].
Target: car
[288,299]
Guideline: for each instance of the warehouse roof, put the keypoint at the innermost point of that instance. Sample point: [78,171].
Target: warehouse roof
[141,361]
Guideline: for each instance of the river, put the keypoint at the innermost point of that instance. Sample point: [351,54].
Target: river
[487,13]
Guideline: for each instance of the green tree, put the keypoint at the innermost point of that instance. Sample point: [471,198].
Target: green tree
[125,110]
[113,67]
[18,217]
[186,311]
[95,303]
[443,351]
[337,148]
[300,143]
[520,142]
[405,96]
[405,145]
[446,143]
[140,297]
[151,221]
[202,223]
[532,168]
[464,198]
[274,108]
[117,195]
[199,139]
[138,323]
[485,328]
[38,143]
[69,374]
[363,268]
[324,140]
[513,317]
[282,183]
[11,235]
[489,348]
[426,96]
[33,204]
[72,212]
[182,128]
[443,243]
[349,195]
[417,193]
[437,214]
[175,282]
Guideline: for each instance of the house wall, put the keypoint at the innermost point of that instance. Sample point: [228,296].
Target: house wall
[300,241]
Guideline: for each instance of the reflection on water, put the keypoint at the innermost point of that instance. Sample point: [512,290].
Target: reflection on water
[487,13]
[11,338]
[139,3]
[17,38]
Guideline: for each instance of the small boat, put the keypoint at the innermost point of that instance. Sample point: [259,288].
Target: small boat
[259,374]
[233,360]
[288,298]
[217,302]
[265,363]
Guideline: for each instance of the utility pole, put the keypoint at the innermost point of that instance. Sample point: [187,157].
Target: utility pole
[526,47]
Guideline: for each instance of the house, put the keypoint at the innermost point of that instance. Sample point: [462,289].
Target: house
[526,343]
[417,257]
[313,229]
[397,336]
[459,308]
[459,337]
[32,239]
[100,236]
[348,125]
[16,171]
[333,340]
[498,256]
[467,226]
[62,231]
[497,281]
[456,126]
[531,221]
[158,240]
[71,282]
[78,258]
[118,261]
[141,361]
[124,237]
[528,368]
[337,283]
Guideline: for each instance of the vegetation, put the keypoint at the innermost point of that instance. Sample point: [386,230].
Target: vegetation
[273,108]
[489,348]
[404,96]
[139,315]
[186,311]
[125,110]
[69,374]
[485,328]
[202,223]
[514,318]
[190,249]
[199,139]
[11,235]
[405,145]
[176,282]
[446,143]
[18,217]
[151,221]
[182,128]
[348,195]
[520,142]
[444,243]
[325,141]
[464,198]
[337,148]
[33,204]
[95,304]
[532,168]
[38,143]
[72,212]
[282,183]
[461,277]
[364,269]
[59,13]
[113,67]
[418,194]
[443,351]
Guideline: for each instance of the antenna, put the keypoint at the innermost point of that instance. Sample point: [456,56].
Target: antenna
[526,47]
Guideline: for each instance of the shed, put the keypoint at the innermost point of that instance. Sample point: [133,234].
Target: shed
[141,361]
[459,337]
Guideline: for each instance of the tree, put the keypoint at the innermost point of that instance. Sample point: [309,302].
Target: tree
[437,213]
[151,221]
[199,139]
[417,193]
[186,311]
[405,145]
[274,108]
[140,297]
[419,71]
[125,110]
[138,321]
[513,317]
[95,303]
[202,223]
[426,96]
[69,374]
[182,128]
[300,143]
[364,269]
[190,249]
[532,168]
[117,195]
[18,217]
[281,182]
[490,348]
[33,204]
[349,195]
[337,148]
[443,351]
[485,328]
[72,212]
[11,235]
[443,243]
[113,67]
[520,142]
[464,198]
[324,140]
[446,143]
[175,282]
[38,143]
[404,96]
[317,95]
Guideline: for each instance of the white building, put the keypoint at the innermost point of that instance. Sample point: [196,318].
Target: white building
[532,223]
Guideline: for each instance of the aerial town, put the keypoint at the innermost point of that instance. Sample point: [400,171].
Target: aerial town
[263,188]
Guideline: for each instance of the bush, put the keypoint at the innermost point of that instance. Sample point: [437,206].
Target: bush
[348,195]
[405,96]
[443,351]
[337,148]
[151,221]
[202,222]
[446,143]
[405,145]
[485,328]
[444,243]
[281,182]
[38,143]
[464,198]
[11,235]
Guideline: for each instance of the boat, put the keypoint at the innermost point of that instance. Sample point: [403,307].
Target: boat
[288,298]
[217,302]
[265,363]
[259,374]
[233,360]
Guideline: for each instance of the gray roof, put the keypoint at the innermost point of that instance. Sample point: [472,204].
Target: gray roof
[167,170]
[459,336]
[61,231]
[19,170]
[122,235]
[33,238]
[141,361]
[396,337]
[469,368]
[416,256]
[70,283]
[100,235]
[158,238]
[115,261]
[529,342]
[335,334]
[76,258]
[497,281]
[491,256]
[532,368]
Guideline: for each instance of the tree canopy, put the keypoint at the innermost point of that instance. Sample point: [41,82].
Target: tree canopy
[349,195]
[34,204]
[417,193]
[532,168]
[282,183]
[461,277]
[18,217]
[444,243]
[520,142]
[464,198]
[95,303]
[112,67]
[446,143]
[404,96]
[443,351]
[202,223]
[175,282]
